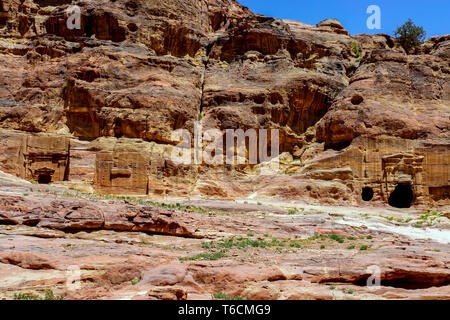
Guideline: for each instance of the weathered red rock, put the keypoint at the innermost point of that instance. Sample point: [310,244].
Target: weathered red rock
[94,109]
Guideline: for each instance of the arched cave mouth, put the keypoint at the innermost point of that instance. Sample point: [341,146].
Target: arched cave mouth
[402,196]
[44,179]
[367,194]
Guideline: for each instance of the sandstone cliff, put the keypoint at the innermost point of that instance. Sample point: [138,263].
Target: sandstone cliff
[95,107]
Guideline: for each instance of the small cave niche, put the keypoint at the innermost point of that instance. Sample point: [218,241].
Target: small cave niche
[338,146]
[132,27]
[44,179]
[402,196]
[367,194]
[357,99]
[3,17]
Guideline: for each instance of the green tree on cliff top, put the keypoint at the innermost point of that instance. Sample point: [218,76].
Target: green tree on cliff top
[409,36]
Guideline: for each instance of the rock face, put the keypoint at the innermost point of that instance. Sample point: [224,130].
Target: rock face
[97,106]
[138,250]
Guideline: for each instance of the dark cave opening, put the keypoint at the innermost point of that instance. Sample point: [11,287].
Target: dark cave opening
[357,99]
[409,281]
[402,196]
[338,146]
[367,194]
[44,179]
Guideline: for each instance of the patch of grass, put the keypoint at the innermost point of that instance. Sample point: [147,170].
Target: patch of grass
[244,243]
[135,281]
[403,220]
[337,238]
[351,238]
[204,256]
[317,237]
[259,203]
[26,296]
[249,234]
[223,296]
[322,246]
[351,247]
[176,206]
[363,247]
[430,217]
[369,237]
[349,291]
[331,287]
[49,295]
[356,50]
[292,212]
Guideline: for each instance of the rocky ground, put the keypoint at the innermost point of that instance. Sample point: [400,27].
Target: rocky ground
[91,112]
[133,248]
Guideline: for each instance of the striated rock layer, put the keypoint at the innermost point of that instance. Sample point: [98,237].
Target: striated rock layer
[136,249]
[96,106]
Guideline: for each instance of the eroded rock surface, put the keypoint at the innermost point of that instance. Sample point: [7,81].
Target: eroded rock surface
[89,113]
[115,249]
[96,106]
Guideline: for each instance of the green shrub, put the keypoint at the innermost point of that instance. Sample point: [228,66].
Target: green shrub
[204,256]
[356,50]
[409,36]
[363,247]
[223,296]
[26,296]
[49,295]
[336,238]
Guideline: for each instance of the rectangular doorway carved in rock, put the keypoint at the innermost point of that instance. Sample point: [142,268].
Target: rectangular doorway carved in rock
[45,158]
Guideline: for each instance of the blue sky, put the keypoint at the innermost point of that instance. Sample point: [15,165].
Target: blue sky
[433,15]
